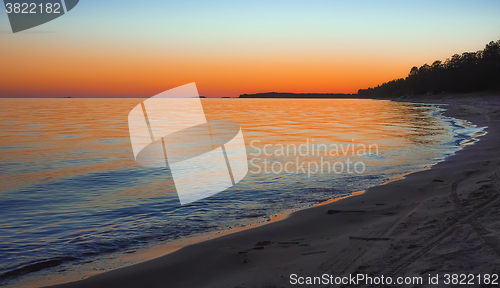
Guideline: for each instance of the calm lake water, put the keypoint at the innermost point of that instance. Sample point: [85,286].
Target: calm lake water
[71,190]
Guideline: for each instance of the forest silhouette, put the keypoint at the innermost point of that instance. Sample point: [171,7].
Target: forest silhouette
[469,72]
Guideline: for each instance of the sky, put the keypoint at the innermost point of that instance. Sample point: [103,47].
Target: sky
[129,48]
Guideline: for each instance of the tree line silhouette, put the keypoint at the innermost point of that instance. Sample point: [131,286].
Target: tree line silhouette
[469,72]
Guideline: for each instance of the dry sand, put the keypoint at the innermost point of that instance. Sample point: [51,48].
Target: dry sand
[442,220]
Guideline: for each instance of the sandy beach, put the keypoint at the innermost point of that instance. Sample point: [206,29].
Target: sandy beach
[442,220]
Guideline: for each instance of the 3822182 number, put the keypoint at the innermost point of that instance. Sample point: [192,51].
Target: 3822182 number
[470,279]
[33,8]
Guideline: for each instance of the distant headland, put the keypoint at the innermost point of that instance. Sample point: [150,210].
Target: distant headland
[298,95]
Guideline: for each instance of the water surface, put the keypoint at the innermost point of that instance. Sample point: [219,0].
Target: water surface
[71,190]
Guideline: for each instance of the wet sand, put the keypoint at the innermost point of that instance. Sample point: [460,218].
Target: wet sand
[442,220]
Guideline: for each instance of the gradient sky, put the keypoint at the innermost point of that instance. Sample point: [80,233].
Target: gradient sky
[141,48]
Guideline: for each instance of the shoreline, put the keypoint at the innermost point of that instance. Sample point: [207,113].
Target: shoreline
[230,242]
[122,259]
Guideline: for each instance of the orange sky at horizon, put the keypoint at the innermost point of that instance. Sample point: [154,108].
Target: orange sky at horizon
[229,48]
[59,72]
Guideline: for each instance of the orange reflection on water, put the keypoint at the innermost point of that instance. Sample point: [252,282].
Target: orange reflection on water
[388,126]
[55,137]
